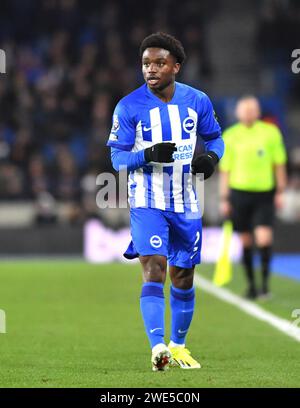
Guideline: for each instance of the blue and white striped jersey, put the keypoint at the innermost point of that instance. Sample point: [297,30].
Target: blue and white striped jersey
[141,120]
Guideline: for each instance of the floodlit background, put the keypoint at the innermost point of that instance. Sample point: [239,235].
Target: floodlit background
[68,62]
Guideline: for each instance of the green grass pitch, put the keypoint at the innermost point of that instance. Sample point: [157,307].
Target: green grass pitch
[72,324]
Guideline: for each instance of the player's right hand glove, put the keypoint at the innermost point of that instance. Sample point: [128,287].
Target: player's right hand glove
[160,152]
[205,163]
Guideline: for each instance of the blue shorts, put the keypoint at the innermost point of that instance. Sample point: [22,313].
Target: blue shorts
[174,235]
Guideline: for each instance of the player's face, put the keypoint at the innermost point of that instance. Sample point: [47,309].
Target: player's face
[248,111]
[159,68]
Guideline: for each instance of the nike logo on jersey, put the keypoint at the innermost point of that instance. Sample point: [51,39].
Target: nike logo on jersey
[146,129]
[157,328]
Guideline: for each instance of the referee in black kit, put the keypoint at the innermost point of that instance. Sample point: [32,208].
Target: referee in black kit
[252,183]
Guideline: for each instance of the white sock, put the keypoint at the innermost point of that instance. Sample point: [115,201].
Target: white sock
[172,344]
[158,346]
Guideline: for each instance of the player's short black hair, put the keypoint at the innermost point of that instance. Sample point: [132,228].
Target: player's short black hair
[165,41]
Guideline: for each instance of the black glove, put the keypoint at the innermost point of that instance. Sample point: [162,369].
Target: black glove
[205,163]
[160,153]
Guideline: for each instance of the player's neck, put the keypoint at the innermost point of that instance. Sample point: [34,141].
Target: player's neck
[249,124]
[165,94]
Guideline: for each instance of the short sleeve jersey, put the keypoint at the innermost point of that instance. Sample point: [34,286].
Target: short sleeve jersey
[250,156]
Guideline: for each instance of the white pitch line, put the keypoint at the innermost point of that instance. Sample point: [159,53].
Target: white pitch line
[248,307]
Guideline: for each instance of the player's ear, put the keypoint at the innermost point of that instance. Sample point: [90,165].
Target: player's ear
[176,68]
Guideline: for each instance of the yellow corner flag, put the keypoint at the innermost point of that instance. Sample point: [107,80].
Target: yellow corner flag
[223,269]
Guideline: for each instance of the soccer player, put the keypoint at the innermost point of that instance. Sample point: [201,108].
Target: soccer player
[154,134]
[252,183]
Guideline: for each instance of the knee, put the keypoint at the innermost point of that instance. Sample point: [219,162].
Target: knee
[246,239]
[183,278]
[154,268]
[263,236]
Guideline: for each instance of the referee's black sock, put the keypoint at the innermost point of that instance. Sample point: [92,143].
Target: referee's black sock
[265,256]
[248,264]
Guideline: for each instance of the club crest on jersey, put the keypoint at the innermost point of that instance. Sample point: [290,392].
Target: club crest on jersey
[155,241]
[116,124]
[189,124]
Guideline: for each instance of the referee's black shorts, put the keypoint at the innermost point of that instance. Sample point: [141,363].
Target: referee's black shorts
[251,209]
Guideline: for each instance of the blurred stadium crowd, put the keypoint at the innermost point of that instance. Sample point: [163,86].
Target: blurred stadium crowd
[69,61]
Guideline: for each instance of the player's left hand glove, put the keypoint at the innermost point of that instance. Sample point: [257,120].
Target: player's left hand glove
[205,163]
